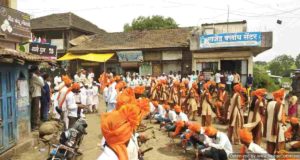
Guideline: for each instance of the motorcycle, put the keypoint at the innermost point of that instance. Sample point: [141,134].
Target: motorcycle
[70,141]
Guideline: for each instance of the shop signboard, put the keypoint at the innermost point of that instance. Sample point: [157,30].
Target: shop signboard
[130,56]
[239,39]
[14,22]
[41,49]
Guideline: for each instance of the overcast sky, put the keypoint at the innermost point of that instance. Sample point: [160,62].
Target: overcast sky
[261,15]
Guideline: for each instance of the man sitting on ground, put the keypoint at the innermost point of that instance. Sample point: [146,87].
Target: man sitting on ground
[293,135]
[220,148]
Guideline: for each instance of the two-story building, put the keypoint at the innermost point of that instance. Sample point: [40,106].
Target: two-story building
[14,80]
[58,29]
[227,47]
[146,52]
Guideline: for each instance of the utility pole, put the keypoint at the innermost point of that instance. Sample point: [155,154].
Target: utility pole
[227,17]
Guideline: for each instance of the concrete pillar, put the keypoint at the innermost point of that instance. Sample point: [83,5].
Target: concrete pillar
[250,65]
[193,63]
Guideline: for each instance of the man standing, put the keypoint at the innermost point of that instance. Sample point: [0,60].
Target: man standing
[254,118]
[57,79]
[45,99]
[72,107]
[275,123]
[36,85]
[236,78]
[206,105]
[61,100]
[235,115]
[229,83]
[249,81]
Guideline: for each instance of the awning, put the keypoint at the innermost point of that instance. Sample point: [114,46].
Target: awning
[95,57]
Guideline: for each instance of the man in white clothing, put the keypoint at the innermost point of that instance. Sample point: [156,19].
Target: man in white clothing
[112,97]
[36,85]
[220,147]
[57,80]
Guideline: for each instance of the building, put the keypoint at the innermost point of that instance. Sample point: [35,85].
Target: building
[146,52]
[227,47]
[58,29]
[14,91]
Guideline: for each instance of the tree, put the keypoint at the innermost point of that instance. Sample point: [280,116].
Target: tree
[262,63]
[282,65]
[297,61]
[150,23]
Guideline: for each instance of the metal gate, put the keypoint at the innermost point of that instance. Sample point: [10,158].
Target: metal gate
[7,109]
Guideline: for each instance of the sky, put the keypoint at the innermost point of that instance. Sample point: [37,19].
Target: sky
[261,15]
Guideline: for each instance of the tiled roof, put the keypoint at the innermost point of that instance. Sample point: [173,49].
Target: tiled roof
[11,53]
[64,20]
[165,38]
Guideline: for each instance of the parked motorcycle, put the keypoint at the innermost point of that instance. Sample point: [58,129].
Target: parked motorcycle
[70,141]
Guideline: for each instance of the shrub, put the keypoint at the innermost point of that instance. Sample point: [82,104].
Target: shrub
[262,80]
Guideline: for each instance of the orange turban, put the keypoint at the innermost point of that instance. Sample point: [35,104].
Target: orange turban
[176,83]
[221,85]
[177,108]
[245,135]
[155,103]
[213,83]
[119,85]
[76,86]
[182,85]
[122,99]
[186,82]
[139,89]
[237,87]
[259,93]
[210,131]
[207,85]
[117,78]
[195,127]
[166,107]
[129,91]
[131,113]
[143,103]
[117,128]
[179,125]
[294,120]
[66,80]
[194,85]
[243,89]
[278,95]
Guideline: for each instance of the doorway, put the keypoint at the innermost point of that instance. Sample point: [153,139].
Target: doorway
[7,109]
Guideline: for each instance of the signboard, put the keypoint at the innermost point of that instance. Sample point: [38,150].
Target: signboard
[14,22]
[59,43]
[230,40]
[45,50]
[130,56]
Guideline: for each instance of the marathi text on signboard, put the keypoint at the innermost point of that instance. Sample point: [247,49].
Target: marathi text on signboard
[14,22]
[130,56]
[230,40]
[45,50]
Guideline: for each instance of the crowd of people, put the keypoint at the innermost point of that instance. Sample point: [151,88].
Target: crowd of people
[62,98]
[175,102]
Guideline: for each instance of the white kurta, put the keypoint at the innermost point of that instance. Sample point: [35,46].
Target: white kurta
[83,95]
[133,148]
[182,117]
[282,129]
[108,154]
[256,149]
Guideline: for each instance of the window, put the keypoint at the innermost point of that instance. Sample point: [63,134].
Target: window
[4,3]
[210,66]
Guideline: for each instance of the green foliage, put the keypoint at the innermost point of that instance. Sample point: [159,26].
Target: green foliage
[150,23]
[297,61]
[262,80]
[282,65]
[261,63]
